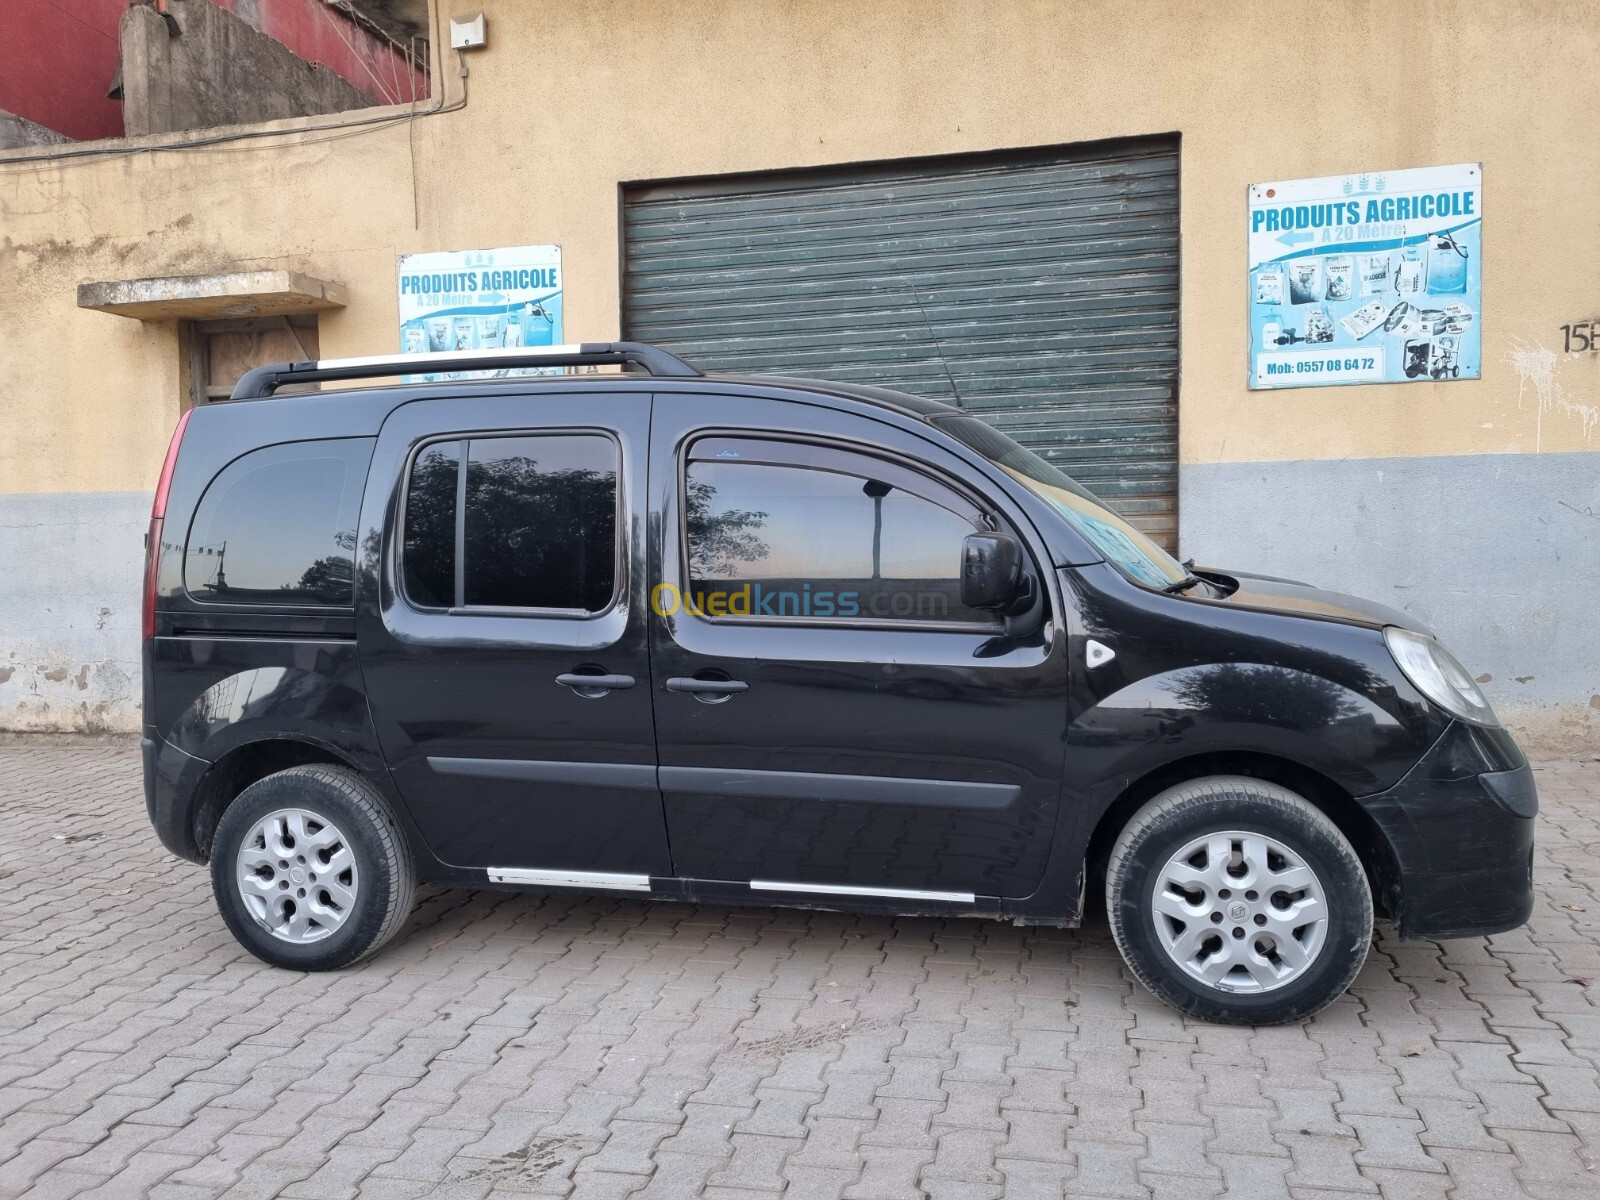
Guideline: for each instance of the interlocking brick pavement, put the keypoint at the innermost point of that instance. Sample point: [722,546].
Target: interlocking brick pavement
[511,1045]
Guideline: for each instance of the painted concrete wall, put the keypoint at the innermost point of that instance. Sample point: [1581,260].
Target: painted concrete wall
[568,101]
[219,70]
[320,33]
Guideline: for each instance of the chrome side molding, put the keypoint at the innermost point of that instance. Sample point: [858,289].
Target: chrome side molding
[841,889]
[581,879]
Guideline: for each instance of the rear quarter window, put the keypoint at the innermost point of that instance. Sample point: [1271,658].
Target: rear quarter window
[277,527]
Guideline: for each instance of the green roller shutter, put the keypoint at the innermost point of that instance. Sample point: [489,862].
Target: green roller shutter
[1046,282]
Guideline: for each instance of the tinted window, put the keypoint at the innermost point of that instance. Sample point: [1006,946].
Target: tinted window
[539,529]
[278,527]
[812,541]
[430,527]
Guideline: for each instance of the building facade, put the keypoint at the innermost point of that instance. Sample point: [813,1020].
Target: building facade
[1039,208]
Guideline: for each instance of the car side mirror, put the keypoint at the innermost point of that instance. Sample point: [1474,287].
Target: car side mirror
[991,570]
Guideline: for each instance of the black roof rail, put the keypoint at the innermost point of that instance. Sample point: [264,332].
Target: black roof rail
[264,381]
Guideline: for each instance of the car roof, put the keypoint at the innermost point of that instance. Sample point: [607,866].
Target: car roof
[371,405]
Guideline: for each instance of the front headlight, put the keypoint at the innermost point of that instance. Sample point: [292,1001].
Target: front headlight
[1436,673]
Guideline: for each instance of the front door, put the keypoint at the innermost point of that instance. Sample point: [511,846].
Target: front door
[505,659]
[830,719]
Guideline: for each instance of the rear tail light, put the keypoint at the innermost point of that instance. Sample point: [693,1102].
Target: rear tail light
[158,512]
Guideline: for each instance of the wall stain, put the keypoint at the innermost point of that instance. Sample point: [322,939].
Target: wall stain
[55,674]
[1536,366]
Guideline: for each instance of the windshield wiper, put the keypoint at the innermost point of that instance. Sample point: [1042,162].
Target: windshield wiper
[1183,585]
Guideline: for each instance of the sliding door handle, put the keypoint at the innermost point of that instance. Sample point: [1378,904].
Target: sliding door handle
[709,687]
[592,687]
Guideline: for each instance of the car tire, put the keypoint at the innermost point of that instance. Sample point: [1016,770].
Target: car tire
[310,870]
[1236,900]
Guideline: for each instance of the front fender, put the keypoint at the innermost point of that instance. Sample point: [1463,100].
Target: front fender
[1243,707]
[1191,679]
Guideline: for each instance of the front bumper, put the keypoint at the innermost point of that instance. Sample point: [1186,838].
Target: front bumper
[1460,825]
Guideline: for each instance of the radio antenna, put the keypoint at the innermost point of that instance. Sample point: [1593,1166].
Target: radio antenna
[937,348]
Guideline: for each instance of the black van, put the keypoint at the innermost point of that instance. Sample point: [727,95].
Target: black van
[778,641]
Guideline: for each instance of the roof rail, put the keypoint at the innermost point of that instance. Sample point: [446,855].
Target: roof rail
[263,381]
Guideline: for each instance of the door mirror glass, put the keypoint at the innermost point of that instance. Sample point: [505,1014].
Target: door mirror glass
[991,570]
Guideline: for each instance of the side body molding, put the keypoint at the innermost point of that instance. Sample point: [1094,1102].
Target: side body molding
[778,785]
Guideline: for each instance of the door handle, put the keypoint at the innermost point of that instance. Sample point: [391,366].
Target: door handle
[716,687]
[594,686]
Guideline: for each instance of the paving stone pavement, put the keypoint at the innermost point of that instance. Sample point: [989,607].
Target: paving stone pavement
[511,1045]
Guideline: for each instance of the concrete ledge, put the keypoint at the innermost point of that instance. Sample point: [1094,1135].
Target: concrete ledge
[212,297]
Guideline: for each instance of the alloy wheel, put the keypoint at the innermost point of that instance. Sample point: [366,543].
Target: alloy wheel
[1240,911]
[297,875]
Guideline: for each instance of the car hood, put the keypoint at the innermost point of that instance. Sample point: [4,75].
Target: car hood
[1267,593]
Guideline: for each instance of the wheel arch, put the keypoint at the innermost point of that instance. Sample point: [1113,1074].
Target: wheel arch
[243,765]
[1326,795]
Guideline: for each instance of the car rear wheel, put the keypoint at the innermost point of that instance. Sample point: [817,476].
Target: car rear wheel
[1234,899]
[309,869]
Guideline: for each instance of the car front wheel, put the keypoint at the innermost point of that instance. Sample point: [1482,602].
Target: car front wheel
[1236,900]
[309,869]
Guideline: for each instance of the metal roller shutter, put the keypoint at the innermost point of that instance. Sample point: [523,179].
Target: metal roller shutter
[1047,281]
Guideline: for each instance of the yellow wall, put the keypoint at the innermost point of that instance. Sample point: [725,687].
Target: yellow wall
[573,96]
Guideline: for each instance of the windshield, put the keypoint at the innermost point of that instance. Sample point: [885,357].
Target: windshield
[1123,546]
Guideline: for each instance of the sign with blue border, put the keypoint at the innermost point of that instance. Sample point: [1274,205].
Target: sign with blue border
[1368,278]
[480,300]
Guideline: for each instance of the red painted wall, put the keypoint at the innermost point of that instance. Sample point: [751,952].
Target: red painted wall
[58,58]
[57,62]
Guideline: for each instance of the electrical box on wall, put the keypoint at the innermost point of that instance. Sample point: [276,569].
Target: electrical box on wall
[467,33]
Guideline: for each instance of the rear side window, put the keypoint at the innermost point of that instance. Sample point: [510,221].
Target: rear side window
[515,523]
[277,527]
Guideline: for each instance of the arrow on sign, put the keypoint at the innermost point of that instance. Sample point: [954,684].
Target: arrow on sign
[1290,239]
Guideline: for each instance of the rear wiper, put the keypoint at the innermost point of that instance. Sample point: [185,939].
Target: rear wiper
[1183,585]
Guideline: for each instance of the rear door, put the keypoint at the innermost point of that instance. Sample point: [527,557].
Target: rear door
[506,659]
[831,720]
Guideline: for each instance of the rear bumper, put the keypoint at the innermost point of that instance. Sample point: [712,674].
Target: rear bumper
[164,765]
[1462,838]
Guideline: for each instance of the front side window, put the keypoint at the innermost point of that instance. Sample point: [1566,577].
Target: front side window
[524,522]
[277,527]
[797,531]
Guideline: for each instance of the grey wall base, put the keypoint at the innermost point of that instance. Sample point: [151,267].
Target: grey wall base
[70,610]
[1498,553]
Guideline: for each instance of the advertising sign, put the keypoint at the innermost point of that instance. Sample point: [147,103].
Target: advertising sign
[481,299]
[1367,278]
